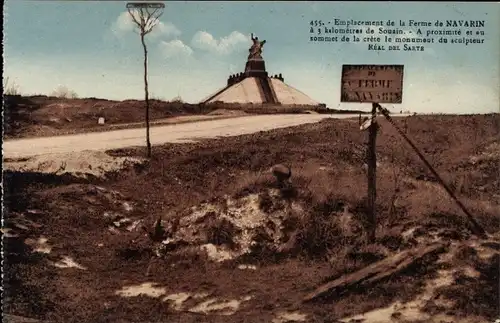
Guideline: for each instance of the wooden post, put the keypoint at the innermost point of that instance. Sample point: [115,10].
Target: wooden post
[372,175]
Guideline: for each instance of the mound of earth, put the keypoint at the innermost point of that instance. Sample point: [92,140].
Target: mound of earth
[256,225]
[82,164]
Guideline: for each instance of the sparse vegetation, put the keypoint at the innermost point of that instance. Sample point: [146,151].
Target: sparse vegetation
[319,233]
[155,97]
[301,240]
[177,99]
[63,92]
[10,87]
[80,115]
[221,232]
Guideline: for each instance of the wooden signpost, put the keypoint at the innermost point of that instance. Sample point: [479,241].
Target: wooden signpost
[372,84]
[377,84]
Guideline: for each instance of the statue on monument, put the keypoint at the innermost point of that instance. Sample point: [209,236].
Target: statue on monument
[256,49]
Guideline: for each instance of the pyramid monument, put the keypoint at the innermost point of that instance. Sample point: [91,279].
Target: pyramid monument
[255,86]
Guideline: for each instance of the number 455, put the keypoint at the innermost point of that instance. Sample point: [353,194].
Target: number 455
[316,23]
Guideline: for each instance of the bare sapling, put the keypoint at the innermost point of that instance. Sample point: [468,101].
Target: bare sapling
[146,19]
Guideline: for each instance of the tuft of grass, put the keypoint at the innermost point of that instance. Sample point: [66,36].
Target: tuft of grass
[325,227]
[221,231]
[263,251]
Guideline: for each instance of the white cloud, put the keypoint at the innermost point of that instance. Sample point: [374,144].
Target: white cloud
[175,48]
[225,45]
[167,28]
[125,24]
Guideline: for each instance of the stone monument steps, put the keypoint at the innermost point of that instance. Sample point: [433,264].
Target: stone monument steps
[267,90]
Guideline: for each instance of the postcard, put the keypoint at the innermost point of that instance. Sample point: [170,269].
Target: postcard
[244,161]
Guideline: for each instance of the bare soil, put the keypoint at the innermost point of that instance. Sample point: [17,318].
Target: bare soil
[239,248]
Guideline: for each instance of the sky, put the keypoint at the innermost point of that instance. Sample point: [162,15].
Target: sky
[90,47]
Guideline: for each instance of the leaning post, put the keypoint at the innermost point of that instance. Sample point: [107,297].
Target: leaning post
[372,174]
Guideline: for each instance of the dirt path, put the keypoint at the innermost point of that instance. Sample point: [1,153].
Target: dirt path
[185,132]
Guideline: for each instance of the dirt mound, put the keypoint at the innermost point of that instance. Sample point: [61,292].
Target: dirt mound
[266,225]
[84,164]
[235,227]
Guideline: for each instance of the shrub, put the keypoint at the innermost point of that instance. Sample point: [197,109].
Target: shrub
[10,88]
[63,92]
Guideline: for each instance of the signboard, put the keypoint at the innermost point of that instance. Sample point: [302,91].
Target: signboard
[372,83]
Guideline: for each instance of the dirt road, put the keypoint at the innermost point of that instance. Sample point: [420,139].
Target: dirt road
[187,132]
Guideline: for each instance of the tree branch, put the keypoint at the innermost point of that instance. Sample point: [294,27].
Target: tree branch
[152,13]
[147,20]
[133,17]
[142,15]
[159,15]
[151,20]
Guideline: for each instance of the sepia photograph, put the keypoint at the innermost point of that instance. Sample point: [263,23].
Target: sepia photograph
[251,161]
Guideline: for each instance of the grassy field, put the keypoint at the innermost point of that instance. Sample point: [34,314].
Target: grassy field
[240,249]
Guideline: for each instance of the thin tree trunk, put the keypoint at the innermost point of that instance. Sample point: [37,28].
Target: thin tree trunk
[146,94]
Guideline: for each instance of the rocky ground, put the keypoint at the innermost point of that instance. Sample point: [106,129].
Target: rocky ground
[238,248]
